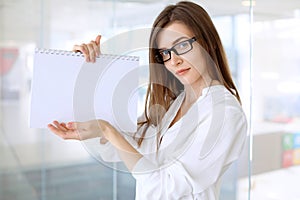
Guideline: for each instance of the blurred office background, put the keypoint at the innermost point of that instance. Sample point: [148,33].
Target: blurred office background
[264,59]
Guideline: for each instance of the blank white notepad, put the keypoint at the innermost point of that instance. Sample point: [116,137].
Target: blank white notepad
[66,88]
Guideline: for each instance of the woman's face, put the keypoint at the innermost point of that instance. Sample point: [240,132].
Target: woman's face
[189,68]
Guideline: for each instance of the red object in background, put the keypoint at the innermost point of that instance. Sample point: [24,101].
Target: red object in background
[287,158]
[8,57]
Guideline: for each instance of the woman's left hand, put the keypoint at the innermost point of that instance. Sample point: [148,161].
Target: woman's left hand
[98,128]
[82,130]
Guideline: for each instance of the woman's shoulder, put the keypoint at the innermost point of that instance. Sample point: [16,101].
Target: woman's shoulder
[222,93]
[221,98]
[225,106]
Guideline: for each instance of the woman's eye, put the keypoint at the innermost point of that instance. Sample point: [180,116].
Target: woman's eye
[183,45]
[164,53]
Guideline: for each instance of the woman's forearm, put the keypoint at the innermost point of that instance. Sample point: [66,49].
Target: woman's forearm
[127,152]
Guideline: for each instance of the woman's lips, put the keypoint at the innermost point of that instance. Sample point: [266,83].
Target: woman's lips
[182,71]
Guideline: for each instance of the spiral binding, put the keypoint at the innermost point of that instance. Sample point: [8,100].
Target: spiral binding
[71,53]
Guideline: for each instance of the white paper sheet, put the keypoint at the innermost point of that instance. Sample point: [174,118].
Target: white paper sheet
[66,88]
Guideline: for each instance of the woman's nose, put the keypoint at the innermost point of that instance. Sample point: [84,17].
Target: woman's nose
[175,59]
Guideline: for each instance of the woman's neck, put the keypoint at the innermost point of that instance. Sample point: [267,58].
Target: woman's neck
[194,91]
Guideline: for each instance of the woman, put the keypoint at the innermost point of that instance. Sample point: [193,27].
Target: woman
[193,126]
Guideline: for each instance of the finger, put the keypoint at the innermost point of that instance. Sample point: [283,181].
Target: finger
[92,53]
[57,131]
[79,48]
[86,52]
[63,125]
[69,134]
[95,48]
[98,38]
[83,49]
[60,126]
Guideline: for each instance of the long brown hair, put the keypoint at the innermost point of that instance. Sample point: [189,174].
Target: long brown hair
[163,87]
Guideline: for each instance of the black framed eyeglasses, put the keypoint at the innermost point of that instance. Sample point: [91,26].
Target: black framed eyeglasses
[179,49]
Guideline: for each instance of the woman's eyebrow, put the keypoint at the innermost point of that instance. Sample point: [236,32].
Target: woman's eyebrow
[178,39]
[174,42]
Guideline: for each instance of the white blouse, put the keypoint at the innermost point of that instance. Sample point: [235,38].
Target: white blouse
[194,152]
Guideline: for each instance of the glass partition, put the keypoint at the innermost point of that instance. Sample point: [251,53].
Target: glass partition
[276,101]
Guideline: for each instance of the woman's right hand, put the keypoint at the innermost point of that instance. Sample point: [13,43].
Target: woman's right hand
[80,130]
[90,50]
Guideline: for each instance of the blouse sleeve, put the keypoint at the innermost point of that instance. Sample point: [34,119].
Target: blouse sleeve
[107,152]
[199,167]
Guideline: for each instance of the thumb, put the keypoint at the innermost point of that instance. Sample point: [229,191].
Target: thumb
[98,38]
